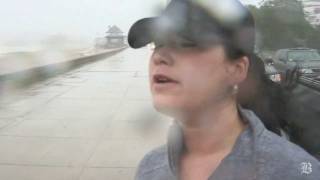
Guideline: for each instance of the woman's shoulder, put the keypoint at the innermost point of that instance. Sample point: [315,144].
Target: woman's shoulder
[282,158]
[156,159]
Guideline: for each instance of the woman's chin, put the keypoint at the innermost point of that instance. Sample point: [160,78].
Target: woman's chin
[167,106]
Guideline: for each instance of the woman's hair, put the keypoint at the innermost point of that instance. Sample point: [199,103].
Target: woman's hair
[266,98]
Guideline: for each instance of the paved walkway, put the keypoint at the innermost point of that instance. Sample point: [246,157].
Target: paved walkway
[93,123]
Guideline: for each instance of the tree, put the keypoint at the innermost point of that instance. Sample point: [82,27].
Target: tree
[282,24]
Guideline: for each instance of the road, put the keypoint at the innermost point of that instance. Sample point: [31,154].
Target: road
[92,123]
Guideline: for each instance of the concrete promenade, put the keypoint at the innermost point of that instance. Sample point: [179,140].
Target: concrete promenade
[92,123]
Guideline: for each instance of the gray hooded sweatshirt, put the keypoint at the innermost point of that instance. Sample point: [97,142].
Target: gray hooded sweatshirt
[258,154]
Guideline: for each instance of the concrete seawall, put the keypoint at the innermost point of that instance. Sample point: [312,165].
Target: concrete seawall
[29,76]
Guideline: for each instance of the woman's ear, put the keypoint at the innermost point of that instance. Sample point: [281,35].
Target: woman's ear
[240,69]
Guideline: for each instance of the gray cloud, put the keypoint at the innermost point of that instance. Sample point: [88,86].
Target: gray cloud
[36,19]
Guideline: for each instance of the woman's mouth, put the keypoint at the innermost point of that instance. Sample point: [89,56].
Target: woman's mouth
[162,79]
[162,82]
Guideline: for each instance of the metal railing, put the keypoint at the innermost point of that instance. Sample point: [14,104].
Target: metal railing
[310,82]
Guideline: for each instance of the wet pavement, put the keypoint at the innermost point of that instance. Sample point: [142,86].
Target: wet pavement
[92,123]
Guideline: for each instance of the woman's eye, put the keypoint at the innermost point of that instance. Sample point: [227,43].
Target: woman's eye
[188,45]
[157,46]
[184,43]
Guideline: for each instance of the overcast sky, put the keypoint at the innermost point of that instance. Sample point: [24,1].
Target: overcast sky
[36,19]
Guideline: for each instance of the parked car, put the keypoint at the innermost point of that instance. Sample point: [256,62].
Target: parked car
[302,112]
[305,59]
[272,72]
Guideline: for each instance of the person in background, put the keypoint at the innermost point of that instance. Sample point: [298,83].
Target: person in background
[201,74]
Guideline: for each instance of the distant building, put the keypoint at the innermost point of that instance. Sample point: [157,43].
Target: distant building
[312,10]
[114,38]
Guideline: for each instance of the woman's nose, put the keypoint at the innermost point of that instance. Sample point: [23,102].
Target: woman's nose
[162,56]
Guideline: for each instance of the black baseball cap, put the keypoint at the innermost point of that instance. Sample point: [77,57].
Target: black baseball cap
[197,23]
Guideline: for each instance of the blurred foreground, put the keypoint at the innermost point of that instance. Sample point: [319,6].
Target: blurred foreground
[95,122]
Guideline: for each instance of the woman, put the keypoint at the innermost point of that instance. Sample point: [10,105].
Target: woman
[202,56]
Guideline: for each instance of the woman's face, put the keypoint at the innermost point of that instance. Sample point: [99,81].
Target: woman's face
[199,78]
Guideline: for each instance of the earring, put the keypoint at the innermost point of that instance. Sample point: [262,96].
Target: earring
[235,89]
